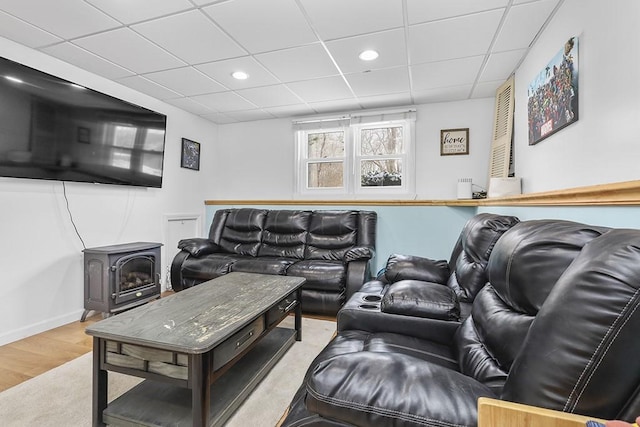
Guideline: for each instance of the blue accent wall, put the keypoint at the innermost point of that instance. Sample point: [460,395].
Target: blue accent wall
[431,231]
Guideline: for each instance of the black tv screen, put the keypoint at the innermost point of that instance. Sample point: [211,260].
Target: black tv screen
[51,128]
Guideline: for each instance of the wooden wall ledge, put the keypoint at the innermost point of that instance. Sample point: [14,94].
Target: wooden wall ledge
[616,194]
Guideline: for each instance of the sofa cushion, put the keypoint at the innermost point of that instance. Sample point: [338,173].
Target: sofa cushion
[489,340]
[471,254]
[370,388]
[529,258]
[263,265]
[242,232]
[331,234]
[403,267]
[320,275]
[429,351]
[421,299]
[285,234]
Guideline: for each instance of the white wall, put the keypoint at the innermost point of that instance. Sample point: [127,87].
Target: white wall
[41,274]
[602,146]
[255,160]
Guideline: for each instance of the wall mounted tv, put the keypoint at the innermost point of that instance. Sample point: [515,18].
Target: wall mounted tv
[51,128]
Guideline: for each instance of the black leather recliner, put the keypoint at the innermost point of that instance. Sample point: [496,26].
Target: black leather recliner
[413,291]
[556,327]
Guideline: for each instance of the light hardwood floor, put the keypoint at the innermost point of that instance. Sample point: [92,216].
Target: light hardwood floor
[32,356]
[35,355]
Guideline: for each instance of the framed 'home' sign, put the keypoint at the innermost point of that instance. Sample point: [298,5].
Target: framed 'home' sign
[454,141]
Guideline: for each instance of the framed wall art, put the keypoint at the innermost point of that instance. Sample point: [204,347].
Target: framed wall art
[190,157]
[454,141]
[552,99]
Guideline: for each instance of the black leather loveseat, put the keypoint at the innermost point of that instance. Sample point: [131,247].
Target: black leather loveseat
[556,326]
[331,249]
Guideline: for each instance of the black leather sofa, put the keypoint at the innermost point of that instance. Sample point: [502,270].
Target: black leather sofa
[330,249]
[556,326]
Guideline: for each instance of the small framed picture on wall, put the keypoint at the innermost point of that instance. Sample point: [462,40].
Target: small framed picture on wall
[190,158]
[454,141]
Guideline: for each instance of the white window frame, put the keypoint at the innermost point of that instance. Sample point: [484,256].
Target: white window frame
[352,159]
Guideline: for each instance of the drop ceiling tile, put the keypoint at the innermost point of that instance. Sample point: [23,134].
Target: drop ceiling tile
[385,101]
[338,18]
[147,86]
[522,24]
[261,26]
[287,65]
[486,89]
[336,106]
[501,65]
[446,94]
[219,118]
[441,74]
[269,96]
[64,18]
[86,60]
[290,110]
[140,56]
[326,89]
[379,82]
[389,44]
[249,115]
[221,72]
[433,10]
[186,80]
[190,36]
[190,105]
[24,33]
[224,102]
[453,38]
[129,12]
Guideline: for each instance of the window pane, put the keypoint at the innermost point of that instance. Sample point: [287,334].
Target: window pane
[381,173]
[124,136]
[154,140]
[325,144]
[325,175]
[381,141]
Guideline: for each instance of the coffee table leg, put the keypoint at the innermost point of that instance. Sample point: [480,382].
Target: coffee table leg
[201,390]
[298,318]
[99,385]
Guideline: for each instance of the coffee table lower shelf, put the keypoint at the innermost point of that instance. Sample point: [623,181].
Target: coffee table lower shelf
[153,403]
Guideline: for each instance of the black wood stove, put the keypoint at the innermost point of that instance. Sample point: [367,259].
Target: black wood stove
[120,277]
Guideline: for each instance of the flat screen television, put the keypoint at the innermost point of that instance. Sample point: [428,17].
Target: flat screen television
[51,128]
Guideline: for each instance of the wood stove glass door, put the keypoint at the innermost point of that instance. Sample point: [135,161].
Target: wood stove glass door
[135,276]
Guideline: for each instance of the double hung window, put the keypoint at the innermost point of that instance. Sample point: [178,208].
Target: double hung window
[356,155]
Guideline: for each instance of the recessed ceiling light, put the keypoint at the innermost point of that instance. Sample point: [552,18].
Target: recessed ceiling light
[13,79]
[240,75]
[368,55]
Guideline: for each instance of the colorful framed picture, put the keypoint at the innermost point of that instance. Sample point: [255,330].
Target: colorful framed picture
[190,157]
[454,141]
[553,95]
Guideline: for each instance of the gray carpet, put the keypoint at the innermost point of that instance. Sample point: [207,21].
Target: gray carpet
[62,397]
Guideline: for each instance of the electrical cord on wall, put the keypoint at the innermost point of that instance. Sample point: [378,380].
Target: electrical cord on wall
[64,192]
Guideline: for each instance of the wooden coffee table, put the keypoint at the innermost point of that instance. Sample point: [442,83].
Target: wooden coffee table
[202,350]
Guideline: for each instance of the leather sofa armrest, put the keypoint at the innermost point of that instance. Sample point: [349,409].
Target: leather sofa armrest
[359,253]
[410,267]
[198,246]
[421,299]
[362,313]
[357,274]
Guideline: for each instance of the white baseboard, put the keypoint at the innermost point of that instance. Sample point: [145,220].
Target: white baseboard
[42,326]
